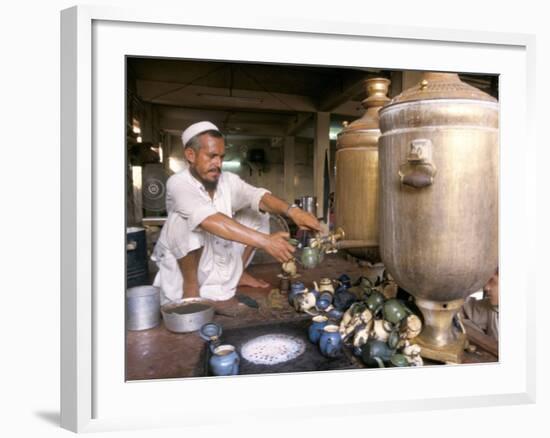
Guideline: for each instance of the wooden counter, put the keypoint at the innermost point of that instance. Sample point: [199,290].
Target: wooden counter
[158,353]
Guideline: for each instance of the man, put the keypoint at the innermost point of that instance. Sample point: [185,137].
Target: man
[215,222]
[484,313]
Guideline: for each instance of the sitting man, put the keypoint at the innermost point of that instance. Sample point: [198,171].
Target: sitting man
[215,222]
[484,313]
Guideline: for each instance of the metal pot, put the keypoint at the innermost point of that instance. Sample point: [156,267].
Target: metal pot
[142,307]
[187,315]
[357,184]
[309,204]
[439,199]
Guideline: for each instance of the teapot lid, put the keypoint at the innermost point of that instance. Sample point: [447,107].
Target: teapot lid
[210,331]
[434,85]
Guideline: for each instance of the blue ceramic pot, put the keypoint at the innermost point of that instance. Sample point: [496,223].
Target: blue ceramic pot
[331,341]
[345,280]
[295,288]
[316,328]
[324,300]
[224,361]
[335,314]
[343,299]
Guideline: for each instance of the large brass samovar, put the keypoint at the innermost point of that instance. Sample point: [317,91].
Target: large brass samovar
[439,200]
[357,186]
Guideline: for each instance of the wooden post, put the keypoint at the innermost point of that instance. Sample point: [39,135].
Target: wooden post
[396,85]
[320,149]
[289,169]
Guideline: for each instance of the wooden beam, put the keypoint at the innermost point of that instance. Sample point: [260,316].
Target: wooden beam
[352,85]
[298,123]
[263,129]
[212,97]
[352,109]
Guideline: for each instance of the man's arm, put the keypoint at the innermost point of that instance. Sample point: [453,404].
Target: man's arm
[303,219]
[275,244]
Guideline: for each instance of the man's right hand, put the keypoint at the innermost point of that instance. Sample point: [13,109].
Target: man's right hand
[277,245]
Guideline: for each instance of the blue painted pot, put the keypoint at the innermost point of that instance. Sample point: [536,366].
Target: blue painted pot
[343,299]
[324,300]
[335,314]
[295,288]
[316,328]
[330,342]
[345,280]
[224,361]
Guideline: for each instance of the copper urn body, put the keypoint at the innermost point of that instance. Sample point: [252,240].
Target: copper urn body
[357,185]
[439,200]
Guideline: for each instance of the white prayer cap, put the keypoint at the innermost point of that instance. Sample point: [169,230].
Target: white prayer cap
[195,129]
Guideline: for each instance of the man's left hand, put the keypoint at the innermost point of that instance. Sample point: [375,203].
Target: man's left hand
[304,220]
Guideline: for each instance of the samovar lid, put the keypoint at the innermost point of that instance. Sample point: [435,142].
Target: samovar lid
[377,96]
[441,86]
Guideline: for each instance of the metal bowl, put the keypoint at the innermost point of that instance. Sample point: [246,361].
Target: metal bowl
[187,315]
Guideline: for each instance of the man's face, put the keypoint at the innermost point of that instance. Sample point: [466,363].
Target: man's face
[206,165]
[491,290]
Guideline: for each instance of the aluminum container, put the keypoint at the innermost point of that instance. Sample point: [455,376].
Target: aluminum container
[142,307]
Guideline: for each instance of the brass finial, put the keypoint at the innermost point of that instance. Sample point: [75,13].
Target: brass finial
[377,92]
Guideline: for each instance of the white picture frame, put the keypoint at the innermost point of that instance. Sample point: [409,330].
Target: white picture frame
[94,43]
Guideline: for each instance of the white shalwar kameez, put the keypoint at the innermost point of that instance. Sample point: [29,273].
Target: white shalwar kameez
[188,204]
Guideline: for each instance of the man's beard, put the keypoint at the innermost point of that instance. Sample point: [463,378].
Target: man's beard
[208,185]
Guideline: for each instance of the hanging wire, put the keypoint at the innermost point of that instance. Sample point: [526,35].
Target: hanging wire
[266,90]
[187,84]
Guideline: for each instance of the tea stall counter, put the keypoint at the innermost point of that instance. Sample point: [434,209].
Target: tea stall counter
[158,353]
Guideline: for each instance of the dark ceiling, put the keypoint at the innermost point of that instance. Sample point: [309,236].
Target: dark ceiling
[256,99]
